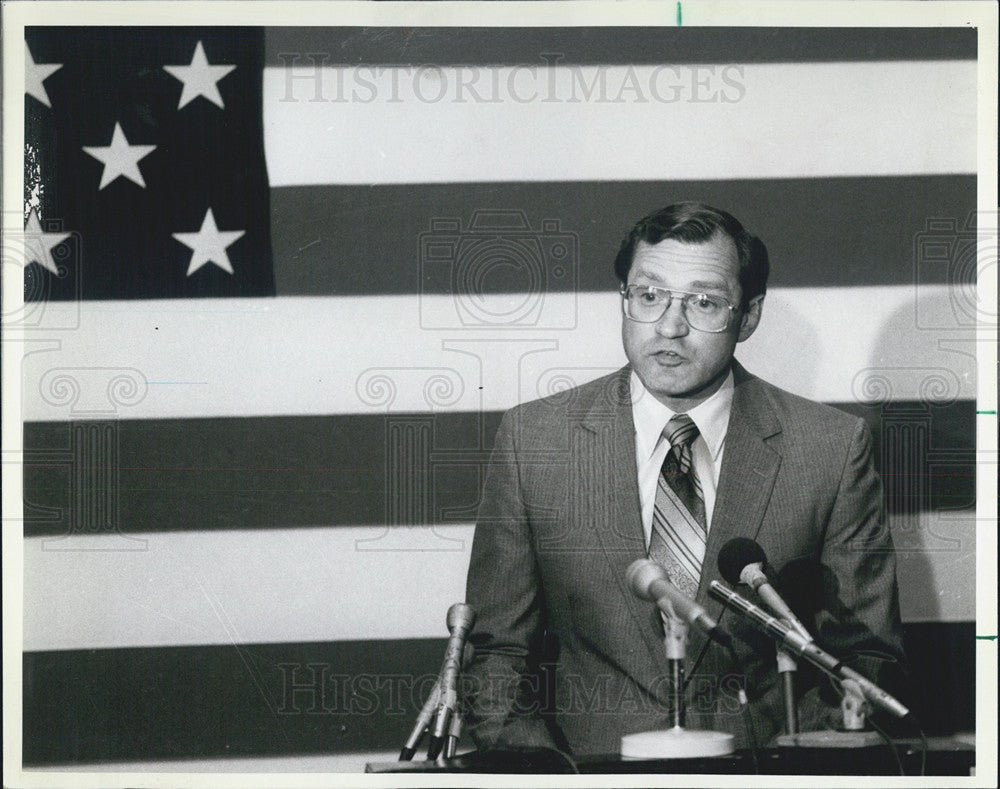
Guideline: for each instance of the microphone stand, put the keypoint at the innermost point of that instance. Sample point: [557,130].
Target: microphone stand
[787,666]
[676,742]
[441,714]
[858,690]
[423,721]
[454,735]
[853,706]
[675,634]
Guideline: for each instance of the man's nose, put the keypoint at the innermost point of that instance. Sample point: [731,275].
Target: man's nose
[673,323]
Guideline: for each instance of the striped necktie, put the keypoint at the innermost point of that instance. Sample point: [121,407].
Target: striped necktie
[678,536]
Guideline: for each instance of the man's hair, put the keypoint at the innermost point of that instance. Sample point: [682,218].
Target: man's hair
[694,223]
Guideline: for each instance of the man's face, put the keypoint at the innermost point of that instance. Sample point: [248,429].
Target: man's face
[679,365]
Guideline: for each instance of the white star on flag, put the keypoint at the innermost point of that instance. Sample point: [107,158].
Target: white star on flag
[38,244]
[120,158]
[209,244]
[199,78]
[35,74]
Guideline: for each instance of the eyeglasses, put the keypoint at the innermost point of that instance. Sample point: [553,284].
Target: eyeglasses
[648,304]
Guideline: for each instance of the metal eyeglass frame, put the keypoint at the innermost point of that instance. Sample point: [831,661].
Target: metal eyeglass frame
[732,308]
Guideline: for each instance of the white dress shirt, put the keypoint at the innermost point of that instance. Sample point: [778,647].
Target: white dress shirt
[650,416]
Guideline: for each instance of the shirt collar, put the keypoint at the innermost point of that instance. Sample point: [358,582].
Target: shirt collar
[650,416]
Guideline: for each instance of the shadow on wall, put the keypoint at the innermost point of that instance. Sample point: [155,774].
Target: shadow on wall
[914,383]
[769,353]
[925,445]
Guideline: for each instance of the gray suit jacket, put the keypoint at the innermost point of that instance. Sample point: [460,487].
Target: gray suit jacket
[566,655]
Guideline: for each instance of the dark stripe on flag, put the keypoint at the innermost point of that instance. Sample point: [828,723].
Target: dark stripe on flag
[207,158]
[395,470]
[102,705]
[499,46]
[98,705]
[261,472]
[433,238]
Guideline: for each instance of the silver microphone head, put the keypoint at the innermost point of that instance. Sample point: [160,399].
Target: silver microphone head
[753,575]
[460,616]
[642,574]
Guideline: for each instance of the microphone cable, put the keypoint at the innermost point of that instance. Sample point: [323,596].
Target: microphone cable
[748,724]
[482,760]
[892,747]
[565,757]
[701,654]
[924,746]
[923,751]
[744,700]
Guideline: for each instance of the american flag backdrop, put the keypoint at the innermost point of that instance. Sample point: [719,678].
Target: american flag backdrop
[289,278]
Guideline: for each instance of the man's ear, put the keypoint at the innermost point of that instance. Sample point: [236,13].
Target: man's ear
[750,319]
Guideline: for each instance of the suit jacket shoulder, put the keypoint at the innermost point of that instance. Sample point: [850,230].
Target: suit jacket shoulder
[803,422]
[605,398]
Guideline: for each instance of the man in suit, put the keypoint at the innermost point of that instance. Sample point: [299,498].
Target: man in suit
[671,457]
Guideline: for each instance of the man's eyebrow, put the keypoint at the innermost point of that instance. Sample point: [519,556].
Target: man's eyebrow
[708,285]
[697,285]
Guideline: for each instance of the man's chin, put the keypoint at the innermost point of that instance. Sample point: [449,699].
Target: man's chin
[679,390]
[672,390]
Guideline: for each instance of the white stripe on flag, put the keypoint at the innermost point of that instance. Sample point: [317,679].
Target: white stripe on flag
[253,586]
[328,355]
[300,585]
[367,124]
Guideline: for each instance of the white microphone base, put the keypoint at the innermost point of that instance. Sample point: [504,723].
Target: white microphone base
[829,739]
[677,743]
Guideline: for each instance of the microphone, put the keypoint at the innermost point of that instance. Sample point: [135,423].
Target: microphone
[742,560]
[460,620]
[649,581]
[423,720]
[806,648]
[427,712]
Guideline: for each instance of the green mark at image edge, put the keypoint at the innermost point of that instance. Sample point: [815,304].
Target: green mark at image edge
[987,412]
[986,638]
[678,14]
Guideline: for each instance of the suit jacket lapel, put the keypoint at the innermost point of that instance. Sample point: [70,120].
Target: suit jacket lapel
[623,540]
[749,469]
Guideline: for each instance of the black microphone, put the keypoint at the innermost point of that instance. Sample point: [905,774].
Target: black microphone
[460,620]
[805,647]
[742,560]
[650,581]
